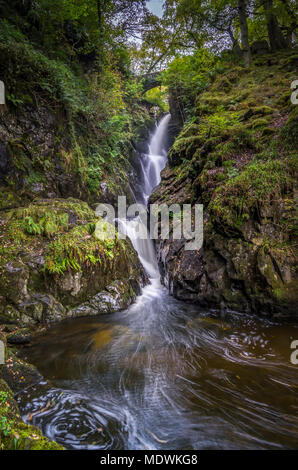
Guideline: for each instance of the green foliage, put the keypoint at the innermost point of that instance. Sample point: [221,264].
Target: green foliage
[158,97]
[133,89]
[259,181]
[49,219]
[28,70]
[5,422]
[238,167]
[219,22]
[187,76]
[3,397]
[217,123]
[26,228]
[76,248]
[5,426]
[101,109]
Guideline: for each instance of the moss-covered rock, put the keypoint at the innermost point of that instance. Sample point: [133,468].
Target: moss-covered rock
[289,132]
[51,260]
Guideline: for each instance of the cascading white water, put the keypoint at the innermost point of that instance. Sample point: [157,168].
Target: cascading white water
[152,164]
[157,152]
[144,248]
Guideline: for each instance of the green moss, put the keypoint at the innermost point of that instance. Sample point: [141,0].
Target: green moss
[48,218]
[263,110]
[27,229]
[268,131]
[184,148]
[284,100]
[68,224]
[286,293]
[258,183]
[19,157]
[258,123]
[8,198]
[223,83]
[289,132]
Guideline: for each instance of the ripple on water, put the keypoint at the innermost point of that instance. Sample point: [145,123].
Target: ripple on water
[72,419]
[194,381]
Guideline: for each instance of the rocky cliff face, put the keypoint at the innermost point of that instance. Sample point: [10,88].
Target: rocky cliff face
[40,159]
[239,159]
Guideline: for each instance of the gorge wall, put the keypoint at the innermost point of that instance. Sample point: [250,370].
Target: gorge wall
[238,157]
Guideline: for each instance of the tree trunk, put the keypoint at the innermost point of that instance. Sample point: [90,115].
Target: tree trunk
[244,32]
[235,48]
[100,16]
[276,38]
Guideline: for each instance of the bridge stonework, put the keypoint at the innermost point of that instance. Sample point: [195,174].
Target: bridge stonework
[151,80]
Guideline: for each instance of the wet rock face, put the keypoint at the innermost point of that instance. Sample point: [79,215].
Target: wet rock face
[235,272]
[53,266]
[225,274]
[31,156]
[117,296]
[37,159]
[5,163]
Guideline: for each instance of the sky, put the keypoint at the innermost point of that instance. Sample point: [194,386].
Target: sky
[155,6]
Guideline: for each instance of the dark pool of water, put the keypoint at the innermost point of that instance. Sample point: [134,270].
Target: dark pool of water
[165,375]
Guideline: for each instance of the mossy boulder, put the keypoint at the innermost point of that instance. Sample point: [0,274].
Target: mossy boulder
[116,296]
[52,260]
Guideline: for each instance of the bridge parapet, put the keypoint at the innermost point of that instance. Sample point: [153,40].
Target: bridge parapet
[151,80]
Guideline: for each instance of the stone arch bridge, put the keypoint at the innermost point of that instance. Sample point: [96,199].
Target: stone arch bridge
[150,80]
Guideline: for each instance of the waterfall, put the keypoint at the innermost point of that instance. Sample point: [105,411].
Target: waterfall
[144,248]
[152,164]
